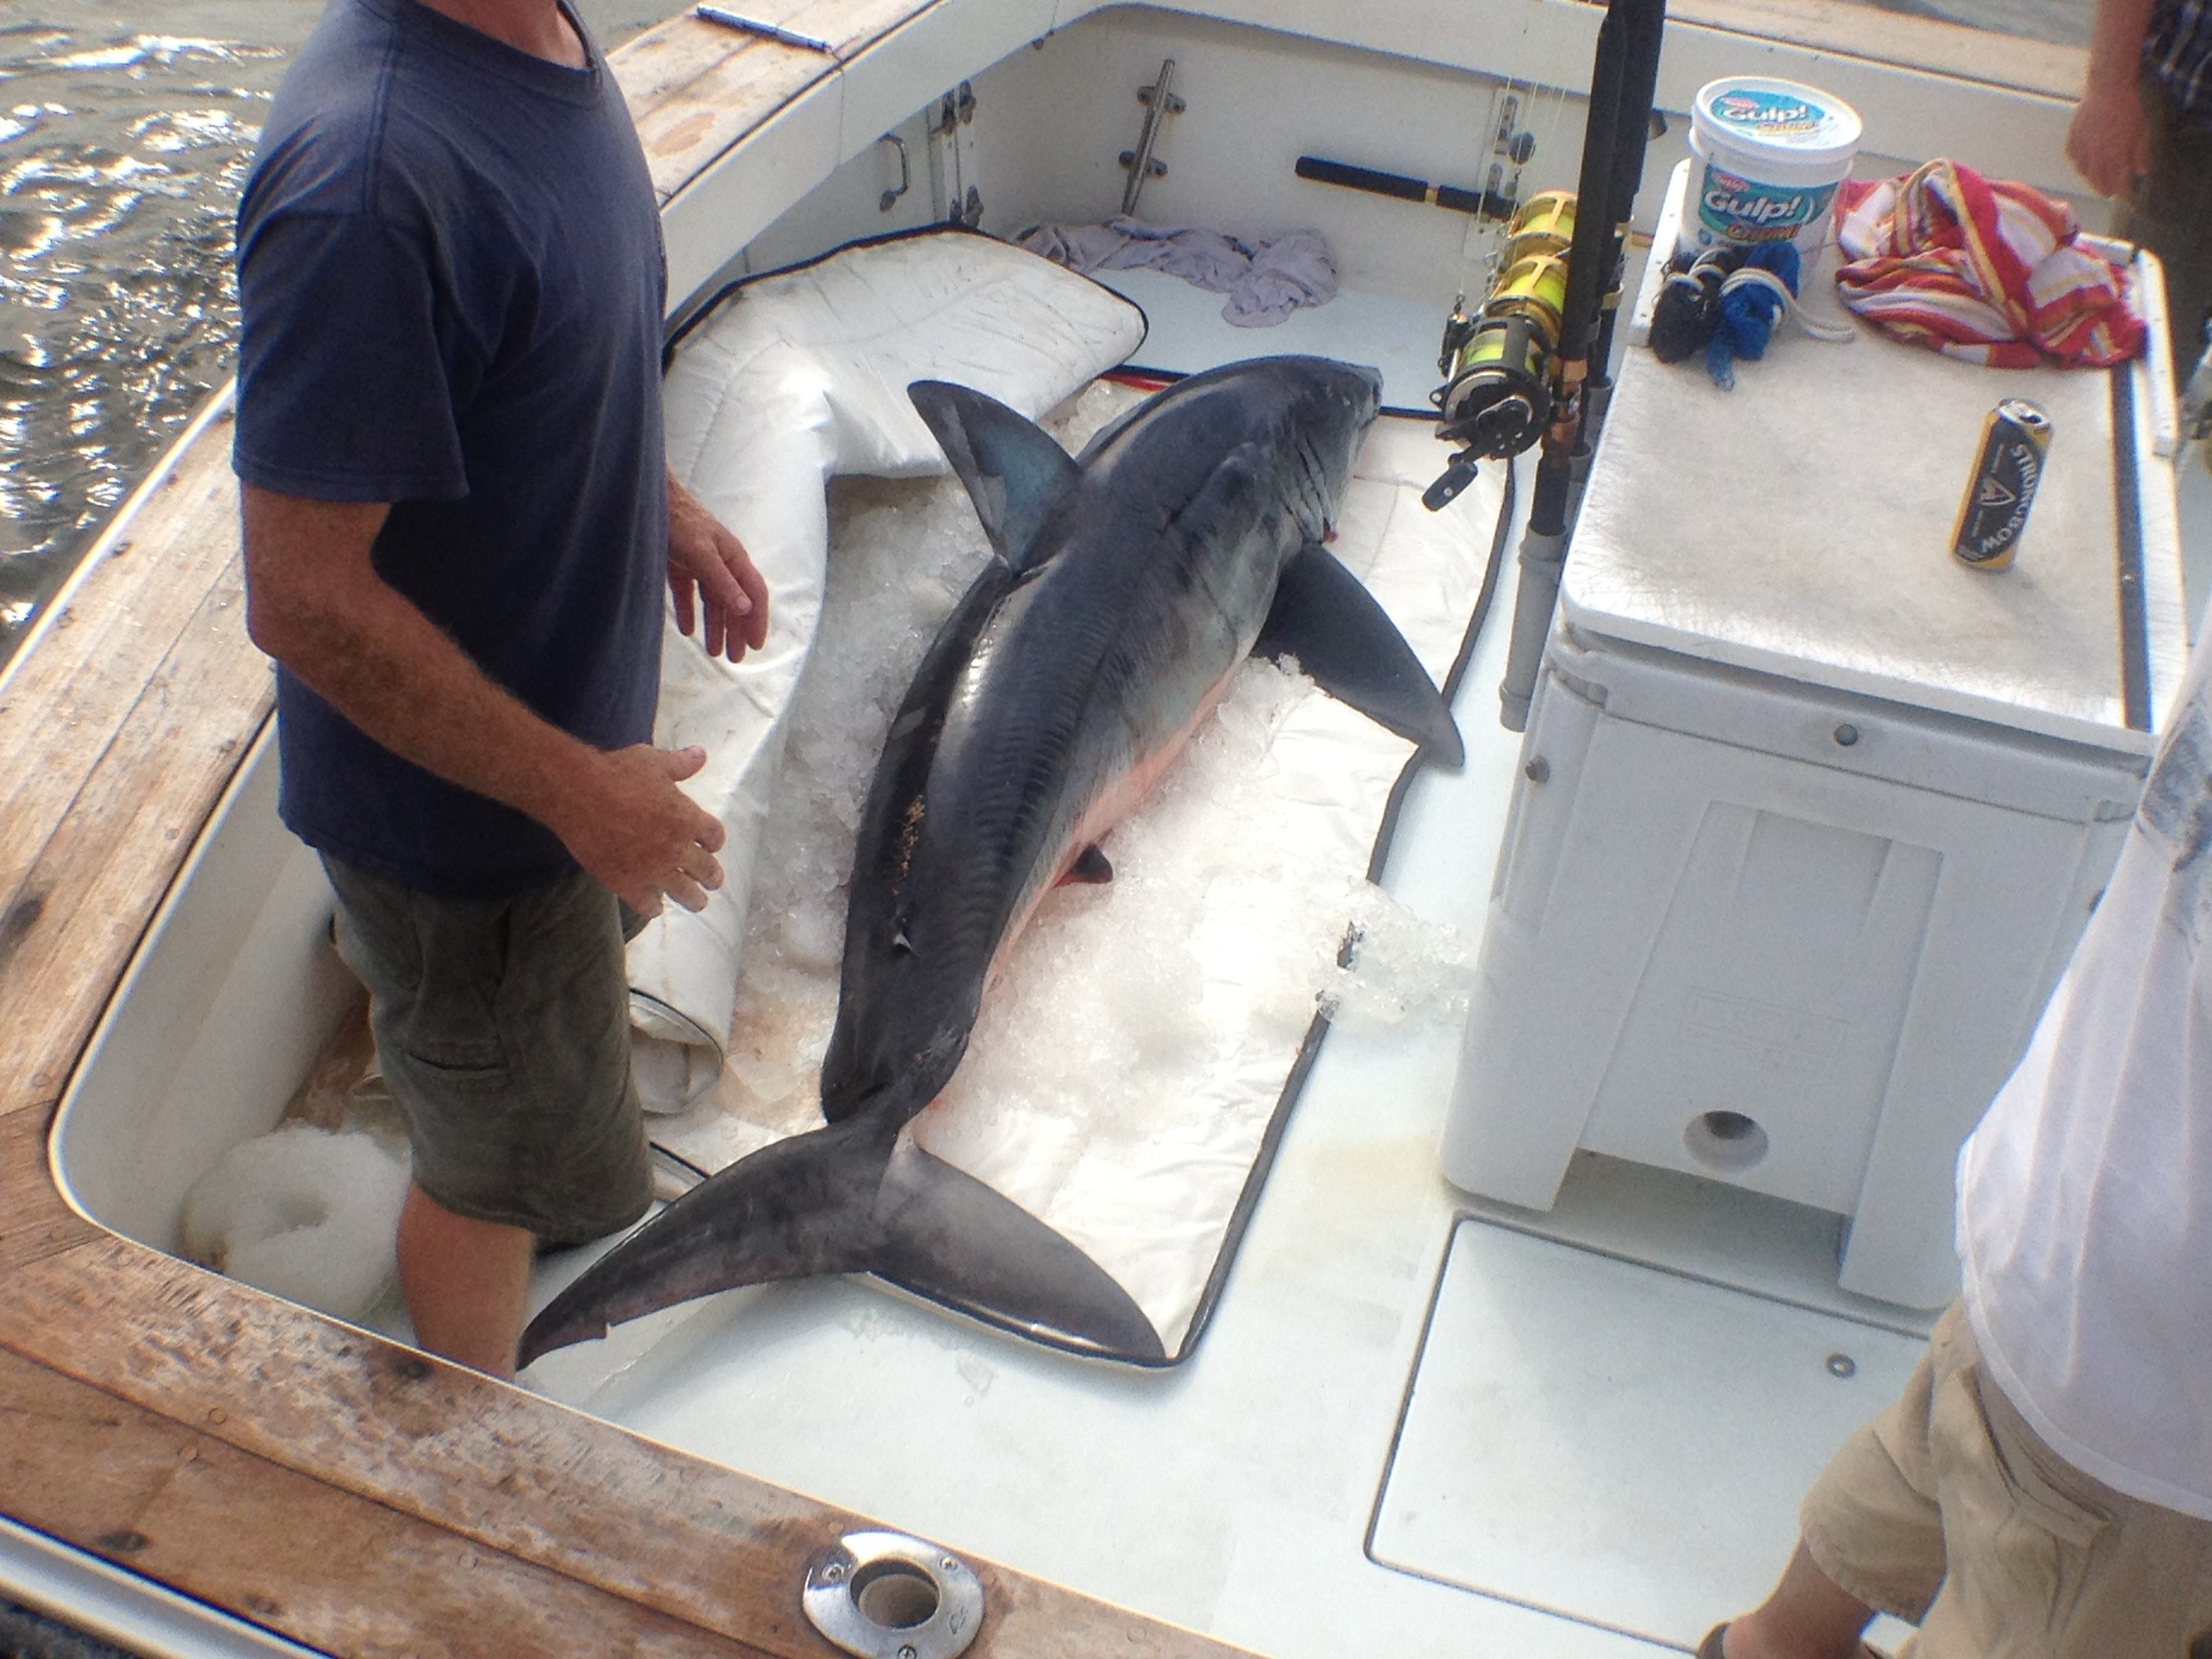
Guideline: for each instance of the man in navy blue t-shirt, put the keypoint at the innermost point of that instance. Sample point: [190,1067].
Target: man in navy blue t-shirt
[458,521]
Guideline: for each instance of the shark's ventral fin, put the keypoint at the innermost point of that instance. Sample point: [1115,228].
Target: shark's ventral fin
[1331,624]
[1013,469]
[1089,869]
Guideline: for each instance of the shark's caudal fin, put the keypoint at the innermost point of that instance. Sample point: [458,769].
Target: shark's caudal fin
[947,1234]
[1013,469]
[802,1207]
[841,1200]
[1325,618]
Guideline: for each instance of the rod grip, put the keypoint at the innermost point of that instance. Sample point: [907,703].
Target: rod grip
[1367,179]
[1482,204]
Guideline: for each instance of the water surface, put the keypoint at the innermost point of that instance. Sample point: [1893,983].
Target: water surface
[121,150]
[127,131]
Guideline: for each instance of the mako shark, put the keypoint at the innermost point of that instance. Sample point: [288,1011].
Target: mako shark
[1125,588]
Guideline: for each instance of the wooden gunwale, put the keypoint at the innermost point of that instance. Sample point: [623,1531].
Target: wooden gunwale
[335,1487]
[330,1485]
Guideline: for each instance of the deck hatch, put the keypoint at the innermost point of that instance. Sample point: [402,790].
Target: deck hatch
[1614,1444]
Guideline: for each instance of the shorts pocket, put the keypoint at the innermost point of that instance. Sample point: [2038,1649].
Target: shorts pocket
[452,1026]
[2043,1484]
[2018,1537]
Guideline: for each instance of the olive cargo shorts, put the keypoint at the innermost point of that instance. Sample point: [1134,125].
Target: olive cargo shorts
[2171,214]
[502,1027]
[1948,1511]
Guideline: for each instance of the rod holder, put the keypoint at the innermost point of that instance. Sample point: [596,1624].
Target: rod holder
[887,1595]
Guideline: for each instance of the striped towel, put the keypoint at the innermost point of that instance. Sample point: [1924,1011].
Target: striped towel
[1980,269]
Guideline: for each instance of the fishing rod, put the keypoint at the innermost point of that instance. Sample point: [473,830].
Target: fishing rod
[1633,136]
[1513,368]
[1623,76]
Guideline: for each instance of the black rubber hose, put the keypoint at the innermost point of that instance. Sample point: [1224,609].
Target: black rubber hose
[1481,202]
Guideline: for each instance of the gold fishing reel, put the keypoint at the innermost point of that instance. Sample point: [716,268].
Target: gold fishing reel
[1497,364]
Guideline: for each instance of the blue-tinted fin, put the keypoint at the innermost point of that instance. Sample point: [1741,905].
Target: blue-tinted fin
[1090,869]
[848,1198]
[1325,618]
[794,1209]
[1013,469]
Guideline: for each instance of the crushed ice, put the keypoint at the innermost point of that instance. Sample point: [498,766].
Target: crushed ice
[1114,996]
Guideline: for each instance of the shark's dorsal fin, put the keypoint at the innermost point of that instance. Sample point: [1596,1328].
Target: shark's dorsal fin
[1325,618]
[1013,469]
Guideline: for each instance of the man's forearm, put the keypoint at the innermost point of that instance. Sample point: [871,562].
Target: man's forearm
[2116,40]
[386,667]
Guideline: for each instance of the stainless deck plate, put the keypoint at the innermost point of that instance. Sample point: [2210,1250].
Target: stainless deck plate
[888,1595]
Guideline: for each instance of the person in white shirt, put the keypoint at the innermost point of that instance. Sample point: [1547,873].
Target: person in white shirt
[2044,1487]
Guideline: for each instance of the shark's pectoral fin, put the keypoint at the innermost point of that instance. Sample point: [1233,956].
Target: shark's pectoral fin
[945,1234]
[1013,469]
[802,1207]
[1325,618]
[1090,869]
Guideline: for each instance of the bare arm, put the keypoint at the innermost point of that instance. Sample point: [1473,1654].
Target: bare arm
[707,562]
[316,604]
[2108,140]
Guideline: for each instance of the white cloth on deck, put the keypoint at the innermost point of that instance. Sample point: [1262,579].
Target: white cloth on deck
[1266,280]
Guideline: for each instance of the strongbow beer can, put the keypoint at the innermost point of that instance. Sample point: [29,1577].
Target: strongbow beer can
[2015,439]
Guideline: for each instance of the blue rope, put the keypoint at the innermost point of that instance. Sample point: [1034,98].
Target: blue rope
[1751,302]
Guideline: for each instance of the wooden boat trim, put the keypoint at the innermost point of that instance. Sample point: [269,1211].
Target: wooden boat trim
[329,1485]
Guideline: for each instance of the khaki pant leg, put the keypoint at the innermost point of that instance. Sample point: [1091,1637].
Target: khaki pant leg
[1871,1521]
[2045,1562]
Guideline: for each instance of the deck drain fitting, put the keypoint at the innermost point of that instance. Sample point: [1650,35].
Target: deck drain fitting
[1725,1141]
[886,1595]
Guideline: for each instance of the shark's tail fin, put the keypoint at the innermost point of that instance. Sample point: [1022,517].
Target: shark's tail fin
[839,1199]
[949,1236]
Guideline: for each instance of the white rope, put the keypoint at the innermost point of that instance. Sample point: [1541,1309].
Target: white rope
[1751,277]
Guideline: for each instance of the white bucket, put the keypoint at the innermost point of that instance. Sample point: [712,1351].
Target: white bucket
[1773,154]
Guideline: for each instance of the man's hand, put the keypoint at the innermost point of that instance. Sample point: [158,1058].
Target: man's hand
[315,602]
[628,823]
[2109,140]
[706,560]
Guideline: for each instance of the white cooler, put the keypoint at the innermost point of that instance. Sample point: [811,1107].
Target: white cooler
[1811,814]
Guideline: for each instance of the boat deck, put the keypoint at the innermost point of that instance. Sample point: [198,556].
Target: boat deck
[269,1463]
[1290,1488]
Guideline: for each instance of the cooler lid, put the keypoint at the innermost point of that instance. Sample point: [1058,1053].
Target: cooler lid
[1801,525]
